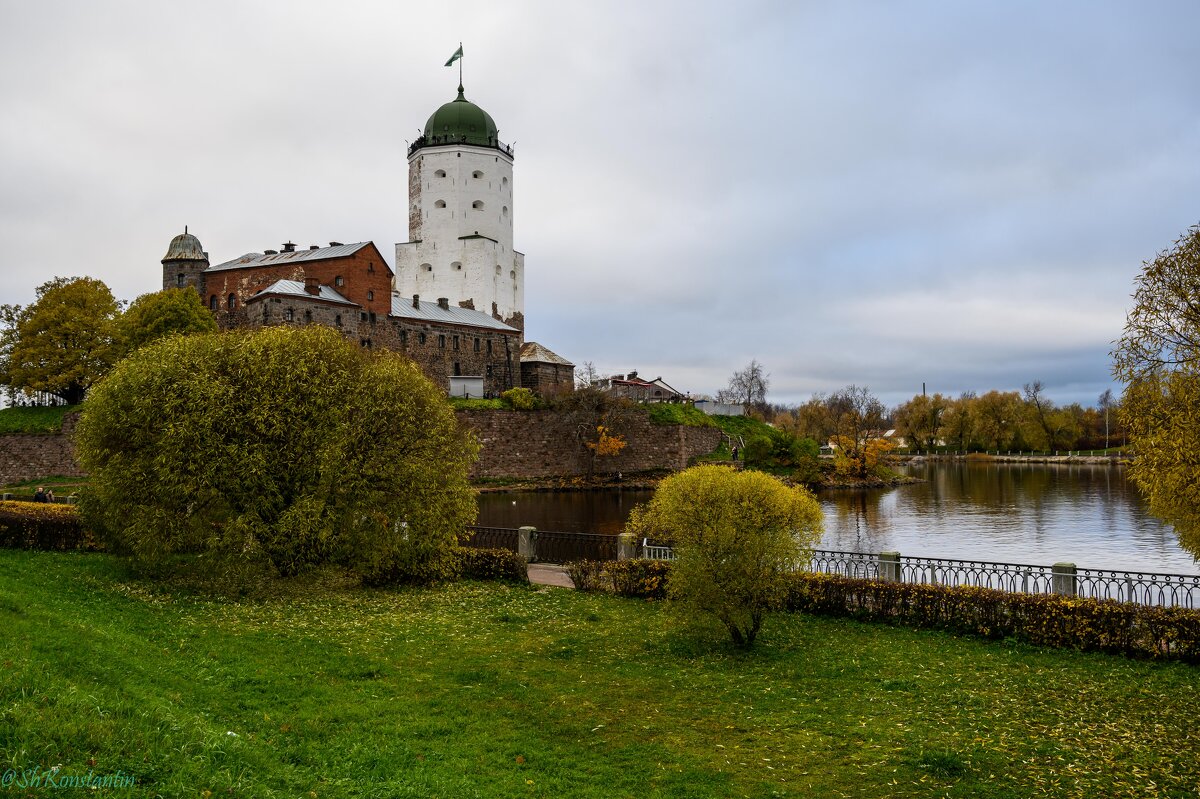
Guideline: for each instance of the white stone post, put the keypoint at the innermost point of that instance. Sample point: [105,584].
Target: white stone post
[525,539]
[889,567]
[1062,579]
[626,548]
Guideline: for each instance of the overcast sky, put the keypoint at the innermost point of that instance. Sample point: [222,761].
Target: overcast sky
[879,193]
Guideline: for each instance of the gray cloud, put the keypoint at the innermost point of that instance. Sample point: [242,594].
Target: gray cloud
[860,192]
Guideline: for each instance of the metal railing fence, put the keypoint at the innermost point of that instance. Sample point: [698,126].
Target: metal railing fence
[1144,588]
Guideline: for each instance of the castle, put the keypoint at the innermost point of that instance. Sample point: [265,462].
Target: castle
[469,338]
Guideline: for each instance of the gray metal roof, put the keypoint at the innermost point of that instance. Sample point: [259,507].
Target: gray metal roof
[294,288]
[260,259]
[432,312]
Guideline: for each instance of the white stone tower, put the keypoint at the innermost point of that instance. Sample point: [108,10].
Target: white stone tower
[460,216]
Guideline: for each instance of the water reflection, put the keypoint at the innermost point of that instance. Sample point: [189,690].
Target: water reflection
[1013,513]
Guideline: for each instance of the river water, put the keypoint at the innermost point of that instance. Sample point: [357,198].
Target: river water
[1011,513]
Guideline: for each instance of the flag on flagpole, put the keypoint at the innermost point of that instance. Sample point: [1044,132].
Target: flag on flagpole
[457,55]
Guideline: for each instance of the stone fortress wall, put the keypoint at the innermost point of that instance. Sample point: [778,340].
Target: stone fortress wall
[513,444]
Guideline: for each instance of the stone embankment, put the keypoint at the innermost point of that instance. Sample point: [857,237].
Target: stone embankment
[1074,460]
[514,445]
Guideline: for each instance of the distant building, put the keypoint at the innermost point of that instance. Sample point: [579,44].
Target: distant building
[714,408]
[467,334]
[634,388]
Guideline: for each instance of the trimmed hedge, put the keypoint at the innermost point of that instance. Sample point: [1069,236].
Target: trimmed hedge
[491,564]
[42,525]
[1039,619]
[646,579]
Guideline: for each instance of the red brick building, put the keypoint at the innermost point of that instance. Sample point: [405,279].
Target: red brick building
[349,287]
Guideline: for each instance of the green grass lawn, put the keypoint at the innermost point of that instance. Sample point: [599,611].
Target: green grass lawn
[478,689]
[34,419]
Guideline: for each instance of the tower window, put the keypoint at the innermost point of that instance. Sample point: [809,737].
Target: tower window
[457,266]
[504,211]
[370,295]
[212,303]
[427,267]
[477,205]
[232,302]
[179,281]
[440,204]
[477,174]
[513,274]
[441,173]
[497,269]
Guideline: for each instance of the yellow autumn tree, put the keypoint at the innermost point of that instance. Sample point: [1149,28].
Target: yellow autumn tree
[737,535]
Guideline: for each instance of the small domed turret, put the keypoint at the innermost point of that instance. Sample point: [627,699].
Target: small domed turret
[185,247]
[184,263]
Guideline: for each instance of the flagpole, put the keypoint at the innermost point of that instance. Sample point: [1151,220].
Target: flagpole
[460,66]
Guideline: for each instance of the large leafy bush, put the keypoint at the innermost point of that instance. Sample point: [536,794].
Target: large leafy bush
[288,444]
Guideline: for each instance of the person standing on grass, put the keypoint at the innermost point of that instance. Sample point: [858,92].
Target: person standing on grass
[40,495]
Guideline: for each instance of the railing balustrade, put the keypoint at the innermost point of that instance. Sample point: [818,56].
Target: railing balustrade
[1144,588]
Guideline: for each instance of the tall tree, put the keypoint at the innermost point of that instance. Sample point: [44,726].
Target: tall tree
[920,420]
[957,421]
[747,387]
[160,314]
[1158,357]
[857,417]
[63,342]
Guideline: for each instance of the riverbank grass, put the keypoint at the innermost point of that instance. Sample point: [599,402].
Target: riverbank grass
[480,690]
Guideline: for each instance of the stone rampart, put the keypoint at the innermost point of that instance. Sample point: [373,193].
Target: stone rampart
[539,444]
[29,457]
[513,444]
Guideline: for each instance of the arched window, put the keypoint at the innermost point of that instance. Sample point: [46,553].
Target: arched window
[497,269]
[370,295]
[504,183]
[307,316]
[477,205]
[504,212]
[456,266]
[426,267]
[212,303]
[441,173]
[477,174]
[513,274]
[232,302]
[440,204]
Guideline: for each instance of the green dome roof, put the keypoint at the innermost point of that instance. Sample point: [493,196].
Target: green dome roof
[461,121]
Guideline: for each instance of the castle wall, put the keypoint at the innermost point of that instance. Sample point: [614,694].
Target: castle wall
[29,457]
[538,444]
[514,444]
